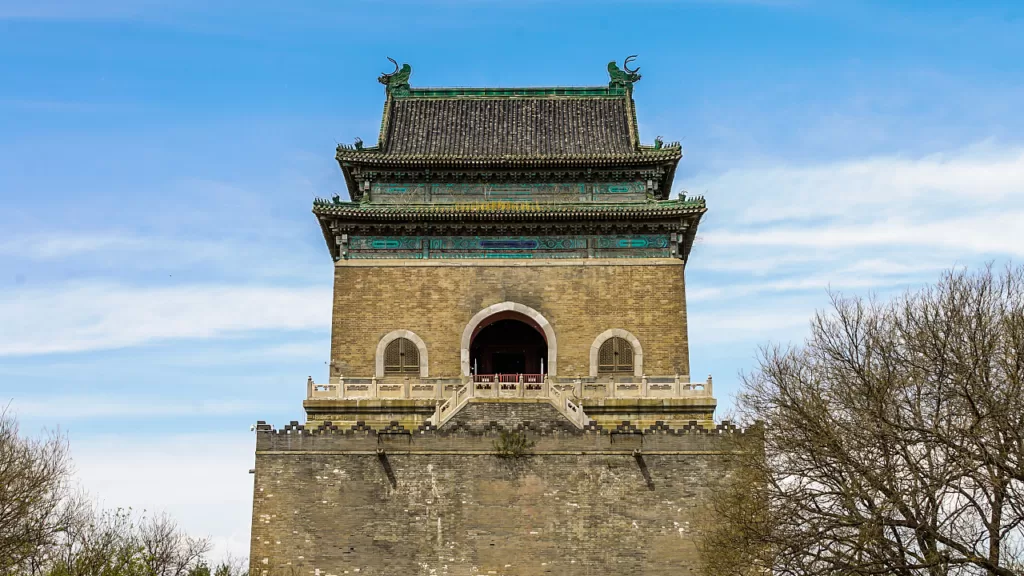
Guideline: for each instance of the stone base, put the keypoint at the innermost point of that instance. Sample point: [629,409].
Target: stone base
[606,412]
[622,501]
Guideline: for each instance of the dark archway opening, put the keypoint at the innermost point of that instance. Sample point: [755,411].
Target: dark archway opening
[508,346]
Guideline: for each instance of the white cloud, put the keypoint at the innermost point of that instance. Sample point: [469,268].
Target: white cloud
[982,232]
[776,238]
[76,10]
[145,250]
[979,177]
[201,480]
[65,245]
[64,408]
[841,280]
[749,325]
[93,316]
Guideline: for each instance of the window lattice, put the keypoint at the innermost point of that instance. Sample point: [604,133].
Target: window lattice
[401,357]
[615,355]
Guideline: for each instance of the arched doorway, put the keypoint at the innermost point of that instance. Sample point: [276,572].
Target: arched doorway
[527,330]
[509,343]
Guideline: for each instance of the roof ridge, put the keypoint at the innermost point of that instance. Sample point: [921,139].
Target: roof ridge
[513,91]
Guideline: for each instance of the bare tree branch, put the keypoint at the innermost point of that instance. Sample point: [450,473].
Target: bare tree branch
[892,440]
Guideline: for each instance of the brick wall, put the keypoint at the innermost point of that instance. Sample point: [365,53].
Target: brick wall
[580,298]
[581,504]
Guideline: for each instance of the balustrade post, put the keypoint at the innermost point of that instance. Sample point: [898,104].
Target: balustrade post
[373,387]
[707,387]
[341,387]
[643,386]
[522,380]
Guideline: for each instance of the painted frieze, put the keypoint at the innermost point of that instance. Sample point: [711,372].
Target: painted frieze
[508,247]
[463,192]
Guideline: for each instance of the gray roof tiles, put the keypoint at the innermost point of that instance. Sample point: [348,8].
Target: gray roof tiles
[501,127]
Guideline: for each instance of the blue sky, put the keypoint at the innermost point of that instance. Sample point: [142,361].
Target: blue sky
[163,283]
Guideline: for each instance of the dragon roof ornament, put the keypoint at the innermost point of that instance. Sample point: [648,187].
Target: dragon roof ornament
[396,82]
[625,77]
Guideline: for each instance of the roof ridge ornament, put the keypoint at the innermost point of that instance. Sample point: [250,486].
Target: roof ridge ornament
[625,77]
[397,82]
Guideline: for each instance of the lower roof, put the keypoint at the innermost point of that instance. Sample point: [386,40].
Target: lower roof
[515,211]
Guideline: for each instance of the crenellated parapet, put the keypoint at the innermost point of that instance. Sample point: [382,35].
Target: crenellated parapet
[426,430]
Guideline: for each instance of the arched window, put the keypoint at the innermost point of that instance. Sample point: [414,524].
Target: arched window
[401,357]
[615,355]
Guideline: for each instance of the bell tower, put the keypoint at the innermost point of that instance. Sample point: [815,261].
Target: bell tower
[509,242]
[509,388]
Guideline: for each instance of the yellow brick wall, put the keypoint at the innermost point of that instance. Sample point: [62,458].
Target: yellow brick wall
[580,298]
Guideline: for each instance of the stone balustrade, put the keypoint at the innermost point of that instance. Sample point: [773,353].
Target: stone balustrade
[521,386]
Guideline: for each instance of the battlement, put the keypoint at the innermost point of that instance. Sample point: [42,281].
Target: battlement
[475,438]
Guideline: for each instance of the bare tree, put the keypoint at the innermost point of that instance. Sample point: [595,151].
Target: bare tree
[36,503]
[167,550]
[120,543]
[892,440]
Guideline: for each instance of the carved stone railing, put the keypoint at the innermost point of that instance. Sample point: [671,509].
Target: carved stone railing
[644,387]
[570,409]
[453,394]
[451,406]
[510,386]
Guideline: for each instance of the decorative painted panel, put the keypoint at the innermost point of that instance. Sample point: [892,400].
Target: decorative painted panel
[620,242]
[385,243]
[620,188]
[511,247]
[618,191]
[450,193]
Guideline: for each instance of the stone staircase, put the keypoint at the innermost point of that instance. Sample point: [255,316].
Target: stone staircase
[561,400]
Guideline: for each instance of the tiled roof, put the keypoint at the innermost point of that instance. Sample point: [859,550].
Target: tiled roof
[509,127]
[503,127]
[508,210]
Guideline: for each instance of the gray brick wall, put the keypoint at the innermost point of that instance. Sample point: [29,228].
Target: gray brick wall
[439,504]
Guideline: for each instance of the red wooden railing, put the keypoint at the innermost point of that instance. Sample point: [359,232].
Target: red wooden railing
[509,378]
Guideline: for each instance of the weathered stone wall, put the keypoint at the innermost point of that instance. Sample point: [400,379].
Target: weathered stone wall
[446,504]
[580,298]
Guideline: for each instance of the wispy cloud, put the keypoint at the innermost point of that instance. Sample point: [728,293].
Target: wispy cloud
[70,408]
[852,279]
[46,106]
[202,480]
[91,316]
[780,236]
[77,10]
[963,203]
[981,232]
[749,325]
[64,245]
[975,178]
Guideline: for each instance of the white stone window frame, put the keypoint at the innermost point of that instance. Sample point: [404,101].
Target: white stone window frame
[638,351]
[537,317]
[395,335]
